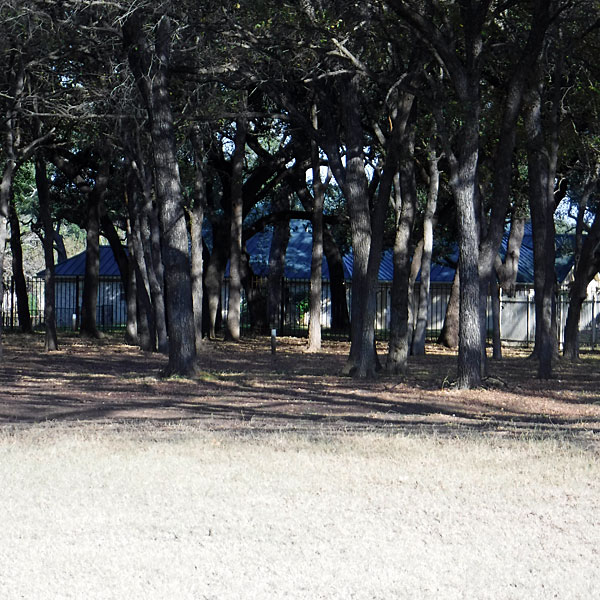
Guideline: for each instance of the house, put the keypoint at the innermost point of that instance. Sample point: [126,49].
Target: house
[517,314]
[111,308]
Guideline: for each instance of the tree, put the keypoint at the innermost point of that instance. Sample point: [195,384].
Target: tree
[237,217]
[151,69]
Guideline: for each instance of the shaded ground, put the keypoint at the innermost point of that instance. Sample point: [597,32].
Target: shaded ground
[245,385]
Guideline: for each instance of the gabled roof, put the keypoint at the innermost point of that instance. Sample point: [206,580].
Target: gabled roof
[75,266]
[298,255]
[564,261]
[299,251]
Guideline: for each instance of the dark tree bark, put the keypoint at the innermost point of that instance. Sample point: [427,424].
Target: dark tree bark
[145,319]
[277,251]
[131,329]
[17,268]
[506,273]
[237,215]
[14,155]
[110,233]
[496,333]
[196,221]
[88,327]
[41,179]
[586,268]
[449,334]
[366,222]
[147,223]
[418,343]
[502,172]
[151,73]
[126,271]
[340,318]
[543,131]
[213,280]
[256,297]
[316,264]
[59,245]
[464,68]
[542,220]
[406,203]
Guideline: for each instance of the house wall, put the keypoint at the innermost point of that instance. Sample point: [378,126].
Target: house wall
[111,308]
[517,316]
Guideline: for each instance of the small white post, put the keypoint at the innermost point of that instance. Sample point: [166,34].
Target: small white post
[74,321]
[273,340]
[594,322]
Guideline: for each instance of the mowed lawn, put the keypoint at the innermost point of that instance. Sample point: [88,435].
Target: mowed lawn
[151,510]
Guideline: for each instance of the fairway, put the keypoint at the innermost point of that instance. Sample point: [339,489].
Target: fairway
[177,512]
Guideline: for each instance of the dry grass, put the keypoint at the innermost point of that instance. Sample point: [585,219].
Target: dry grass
[272,477]
[178,511]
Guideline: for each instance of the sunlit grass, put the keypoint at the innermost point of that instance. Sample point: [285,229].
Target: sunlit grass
[178,511]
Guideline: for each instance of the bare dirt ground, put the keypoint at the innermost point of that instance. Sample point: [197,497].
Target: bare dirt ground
[244,385]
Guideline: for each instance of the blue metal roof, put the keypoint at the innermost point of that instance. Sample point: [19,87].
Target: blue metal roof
[75,266]
[298,255]
[299,252]
[565,247]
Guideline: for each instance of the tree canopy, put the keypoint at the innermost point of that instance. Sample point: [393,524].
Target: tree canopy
[158,120]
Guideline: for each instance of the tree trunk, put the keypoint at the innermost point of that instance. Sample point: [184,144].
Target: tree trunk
[366,227]
[213,280]
[145,321]
[256,297]
[180,322]
[340,319]
[316,265]
[277,252]
[88,327]
[59,245]
[418,344]
[235,254]
[543,234]
[506,273]
[449,334]
[147,224]
[110,233]
[496,333]
[586,268]
[131,329]
[406,203]
[41,180]
[196,220]
[5,201]
[17,268]
[503,161]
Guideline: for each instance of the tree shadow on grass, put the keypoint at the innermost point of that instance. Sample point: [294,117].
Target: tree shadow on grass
[247,386]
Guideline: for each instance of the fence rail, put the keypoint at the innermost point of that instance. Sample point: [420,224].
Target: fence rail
[517,314]
[111,308]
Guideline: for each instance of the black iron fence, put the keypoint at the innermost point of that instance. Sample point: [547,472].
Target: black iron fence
[517,314]
[111,307]
[294,309]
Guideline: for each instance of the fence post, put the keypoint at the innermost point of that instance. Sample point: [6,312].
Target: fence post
[76,301]
[282,315]
[593,321]
[528,314]
[12,302]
